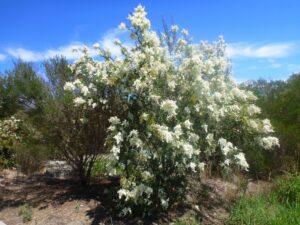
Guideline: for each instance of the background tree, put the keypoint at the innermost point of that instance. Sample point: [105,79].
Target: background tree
[23,94]
[280,102]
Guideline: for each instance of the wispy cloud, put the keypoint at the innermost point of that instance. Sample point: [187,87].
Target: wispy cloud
[24,54]
[35,56]
[238,50]
[272,50]
[2,57]
[107,42]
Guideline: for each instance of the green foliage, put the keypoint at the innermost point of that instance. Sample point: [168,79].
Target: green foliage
[263,211]
[104,165]
[287,189]
[190,220]
[279,101]
[22,95]
[74,134]
[58,73]
[7,159]
[280,207]
[186,223]
[100,167]
[22,89]
[26,212]
[9,139]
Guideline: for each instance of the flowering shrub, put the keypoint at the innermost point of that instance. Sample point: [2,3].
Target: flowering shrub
[178,110]
[8,132]
[8,138]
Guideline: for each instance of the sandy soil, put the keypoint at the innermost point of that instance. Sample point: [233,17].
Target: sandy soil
[54,202]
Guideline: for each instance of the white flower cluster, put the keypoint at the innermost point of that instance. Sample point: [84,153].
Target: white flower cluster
[8,132]
[164,133]
[269,142]
[240,157]
[135,193]
[170,107]
[138,19]
[226,147]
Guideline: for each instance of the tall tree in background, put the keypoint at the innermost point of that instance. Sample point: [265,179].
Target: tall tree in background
[22,95]
[280,101]
[22,89]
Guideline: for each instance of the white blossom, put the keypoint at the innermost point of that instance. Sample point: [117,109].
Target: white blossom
[164,203]
[96,46]
[269,142]
[266,126]
[205,127]
[226,146]
[79,101]
[84,90]
[240,157]
[187,124]
[185,32]
[115,151]
[69,86]
[164,133]
[188,150]
[174,28]
[118,137]
[253,109]
[170,107]
[192,165]
[122,26]
[210,138]
[138,19]
[114,120]
[201,166]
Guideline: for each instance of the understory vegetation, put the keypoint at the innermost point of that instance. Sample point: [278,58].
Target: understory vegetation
[279,207]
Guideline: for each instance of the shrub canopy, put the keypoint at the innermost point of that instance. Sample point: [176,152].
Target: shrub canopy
[178,111]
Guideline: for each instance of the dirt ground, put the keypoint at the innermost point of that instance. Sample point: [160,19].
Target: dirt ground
[64,202]
[54,202]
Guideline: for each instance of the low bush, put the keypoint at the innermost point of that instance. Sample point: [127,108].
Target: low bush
[26,212]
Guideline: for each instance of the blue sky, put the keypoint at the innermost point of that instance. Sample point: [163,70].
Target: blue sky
[263,36]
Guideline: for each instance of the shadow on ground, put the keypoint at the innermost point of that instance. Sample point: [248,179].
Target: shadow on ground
[42,192]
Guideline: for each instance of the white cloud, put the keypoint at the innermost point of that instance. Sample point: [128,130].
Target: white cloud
[273,50]
[2,57]
[34,56]
[24,54]
[66,51]
[107,42]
